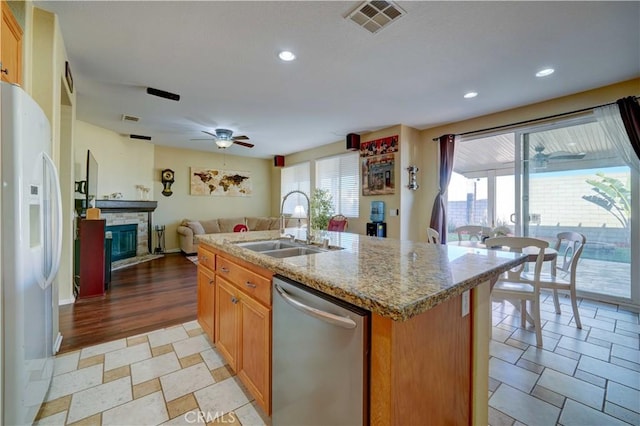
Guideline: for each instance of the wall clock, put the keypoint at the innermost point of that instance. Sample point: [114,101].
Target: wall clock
[168,177]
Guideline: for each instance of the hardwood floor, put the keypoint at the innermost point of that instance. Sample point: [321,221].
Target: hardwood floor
[141,298]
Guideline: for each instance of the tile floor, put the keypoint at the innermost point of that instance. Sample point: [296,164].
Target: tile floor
[580,377]
[172,376]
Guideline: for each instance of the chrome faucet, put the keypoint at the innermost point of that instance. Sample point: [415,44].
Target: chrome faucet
[282,220]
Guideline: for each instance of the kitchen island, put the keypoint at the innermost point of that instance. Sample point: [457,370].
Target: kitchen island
[430,316]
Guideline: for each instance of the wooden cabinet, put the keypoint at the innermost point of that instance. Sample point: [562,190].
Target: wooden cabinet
[10,47]
[243,323]
[206,291]
[91,274]
[255,352]
[227,321]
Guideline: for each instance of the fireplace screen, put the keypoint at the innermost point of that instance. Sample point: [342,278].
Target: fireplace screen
[124,241]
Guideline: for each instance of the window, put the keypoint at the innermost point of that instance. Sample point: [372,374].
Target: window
[340,176]
[292,178]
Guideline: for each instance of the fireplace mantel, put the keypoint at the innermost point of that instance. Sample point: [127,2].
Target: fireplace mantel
[120,206]
[130,206]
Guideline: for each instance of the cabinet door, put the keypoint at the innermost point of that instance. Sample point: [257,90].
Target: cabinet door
[206,299]
[10,47]
[227,320]
[255,353]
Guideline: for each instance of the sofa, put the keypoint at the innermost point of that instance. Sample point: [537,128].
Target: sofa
[189,228]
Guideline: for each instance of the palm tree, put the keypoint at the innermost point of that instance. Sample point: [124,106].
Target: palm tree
[613,196]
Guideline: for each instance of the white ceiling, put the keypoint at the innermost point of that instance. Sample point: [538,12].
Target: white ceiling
[221,57]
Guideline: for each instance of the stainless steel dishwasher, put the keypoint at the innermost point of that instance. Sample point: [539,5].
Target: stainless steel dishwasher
[320,358]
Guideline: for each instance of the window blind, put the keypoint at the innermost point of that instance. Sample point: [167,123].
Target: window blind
[340,176]
[296,177]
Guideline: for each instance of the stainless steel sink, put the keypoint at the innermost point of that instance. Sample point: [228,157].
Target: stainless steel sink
[268,245]
[292,251]
[280,248]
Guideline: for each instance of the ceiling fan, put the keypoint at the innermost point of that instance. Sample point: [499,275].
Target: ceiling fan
[541,160]
[224,138]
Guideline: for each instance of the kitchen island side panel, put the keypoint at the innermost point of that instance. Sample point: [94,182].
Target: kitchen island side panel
[422,368]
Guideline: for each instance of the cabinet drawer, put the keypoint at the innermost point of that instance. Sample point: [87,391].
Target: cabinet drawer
[253,284]
[206,258]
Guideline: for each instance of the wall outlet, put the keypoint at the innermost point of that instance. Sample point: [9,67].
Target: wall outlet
[394,212]
[465,303]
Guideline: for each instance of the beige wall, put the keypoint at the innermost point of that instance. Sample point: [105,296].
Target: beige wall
[123,163]
[405,200]
[181,205]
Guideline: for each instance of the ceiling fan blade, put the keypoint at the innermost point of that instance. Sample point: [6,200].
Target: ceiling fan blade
[241,138]
[248,145]
[564,155]
[210,134]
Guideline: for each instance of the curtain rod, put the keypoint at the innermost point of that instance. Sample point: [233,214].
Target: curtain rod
[533,120]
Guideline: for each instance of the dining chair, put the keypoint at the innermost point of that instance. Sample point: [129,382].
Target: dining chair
[433,236]
[512,286]
[473,232]
[337,223]
[569,246]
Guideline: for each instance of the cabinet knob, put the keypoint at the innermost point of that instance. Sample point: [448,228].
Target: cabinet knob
[225,270]
[210,282]
[250,284]
[4,71]
[234,300]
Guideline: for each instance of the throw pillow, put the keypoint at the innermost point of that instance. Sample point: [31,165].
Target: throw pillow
[210,226]
[196,227]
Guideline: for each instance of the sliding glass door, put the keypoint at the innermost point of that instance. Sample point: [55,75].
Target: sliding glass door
[545,180]
[572,179]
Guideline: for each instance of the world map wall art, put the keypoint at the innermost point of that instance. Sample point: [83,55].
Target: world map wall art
[225,183]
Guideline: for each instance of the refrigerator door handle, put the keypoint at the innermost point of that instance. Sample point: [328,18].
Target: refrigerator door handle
[344,322]
[57,207]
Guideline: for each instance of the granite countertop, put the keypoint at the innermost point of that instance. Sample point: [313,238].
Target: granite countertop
[392,278]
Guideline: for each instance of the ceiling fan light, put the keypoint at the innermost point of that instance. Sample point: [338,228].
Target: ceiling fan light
[222,143]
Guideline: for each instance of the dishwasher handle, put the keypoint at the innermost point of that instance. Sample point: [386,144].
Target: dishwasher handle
[344,322]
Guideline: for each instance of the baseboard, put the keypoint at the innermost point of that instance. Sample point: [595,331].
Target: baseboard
[175,250]
[66,301]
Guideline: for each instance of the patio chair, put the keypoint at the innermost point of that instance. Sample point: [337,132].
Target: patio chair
[569,246]
[513,287]
[337,223]
[472,231]
[433,236]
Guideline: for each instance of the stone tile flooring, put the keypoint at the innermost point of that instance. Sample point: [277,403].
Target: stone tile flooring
[579,377]
[173,376]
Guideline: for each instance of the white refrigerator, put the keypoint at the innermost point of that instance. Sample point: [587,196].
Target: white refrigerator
[31,236]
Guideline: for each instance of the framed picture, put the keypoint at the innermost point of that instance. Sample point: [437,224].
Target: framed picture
[225,183]
[377,159]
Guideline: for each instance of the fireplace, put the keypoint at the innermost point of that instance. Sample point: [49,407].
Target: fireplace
[124,241]
[125,212]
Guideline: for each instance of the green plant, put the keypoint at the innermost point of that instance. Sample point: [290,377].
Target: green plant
[613,196]
[321,208]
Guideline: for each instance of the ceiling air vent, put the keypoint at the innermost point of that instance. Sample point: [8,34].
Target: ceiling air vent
[126,117]
[375,15]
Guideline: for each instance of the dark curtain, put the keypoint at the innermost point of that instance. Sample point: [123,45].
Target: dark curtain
[439,211]
[630,113]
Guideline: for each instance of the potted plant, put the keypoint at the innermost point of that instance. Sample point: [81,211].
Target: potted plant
[321,209]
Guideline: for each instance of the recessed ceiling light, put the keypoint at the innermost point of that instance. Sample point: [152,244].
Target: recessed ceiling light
[286,55]
[470,95]
[545,72]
